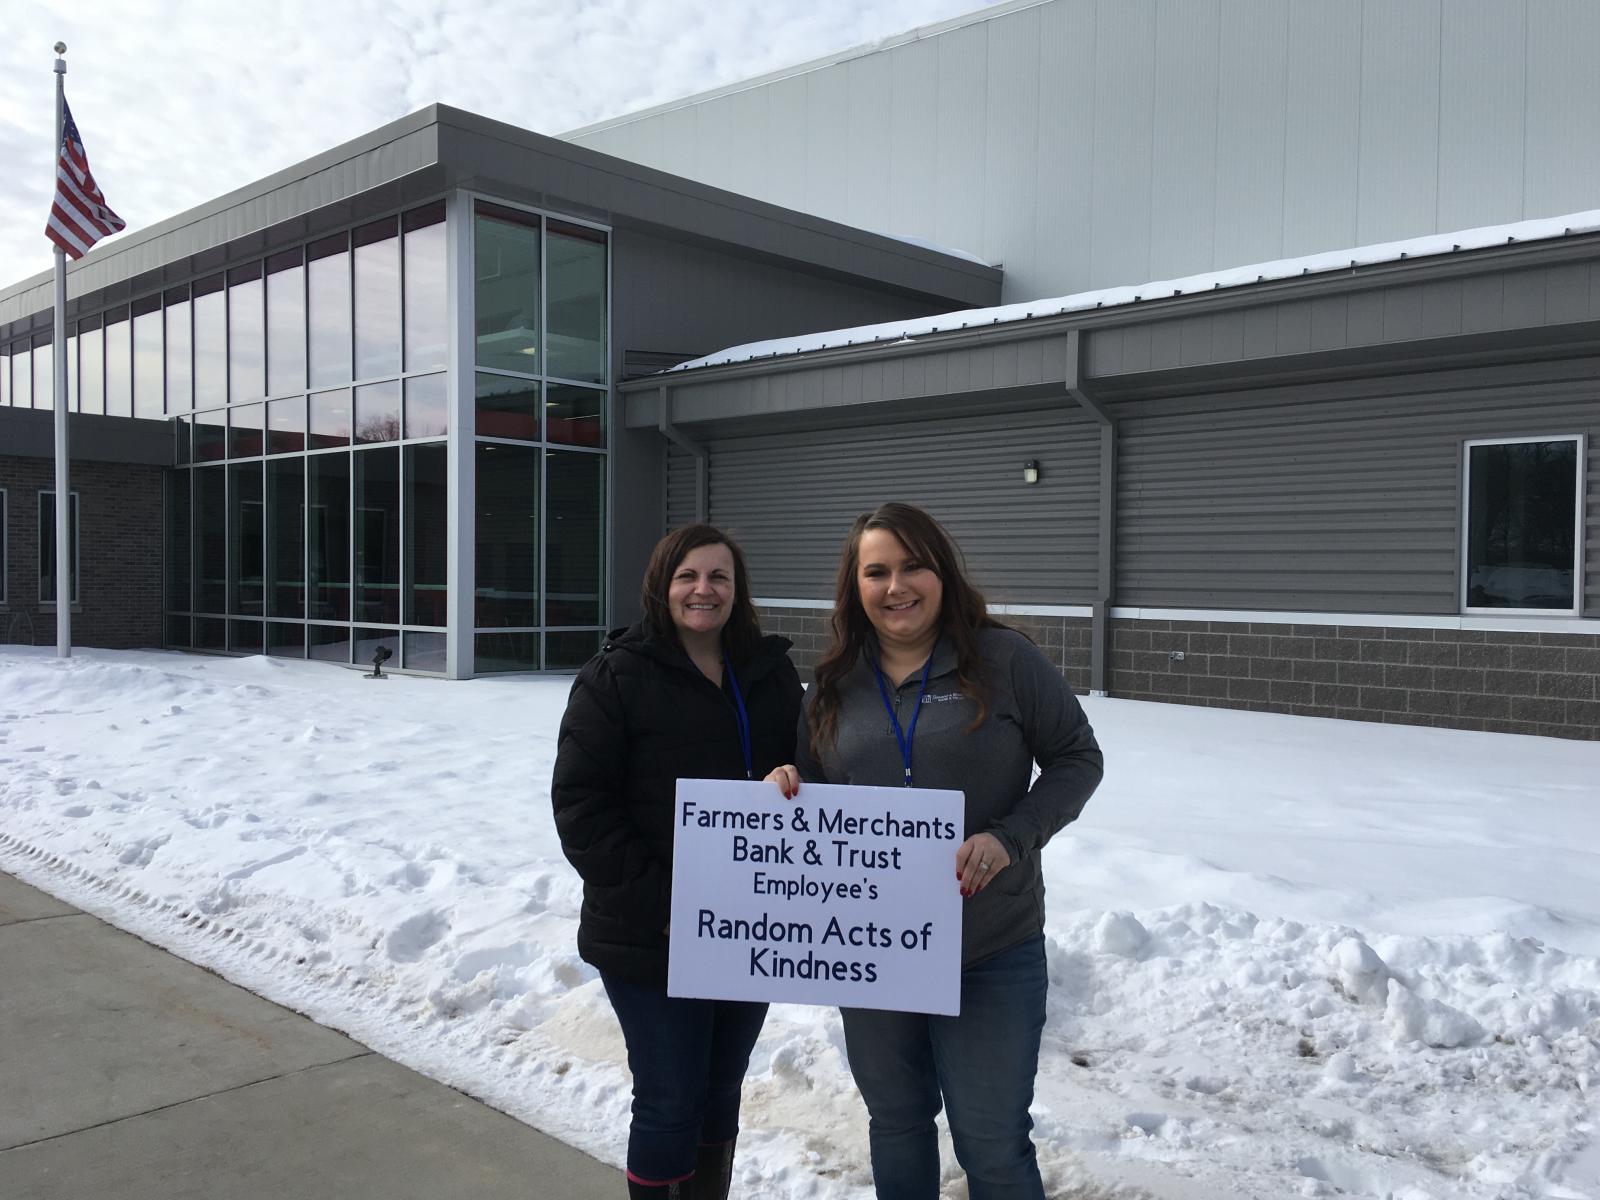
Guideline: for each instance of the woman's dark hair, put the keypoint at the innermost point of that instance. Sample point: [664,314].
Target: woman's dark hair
[962,612]
[743,630]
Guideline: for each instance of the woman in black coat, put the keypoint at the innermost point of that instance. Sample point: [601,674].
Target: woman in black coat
[693,691]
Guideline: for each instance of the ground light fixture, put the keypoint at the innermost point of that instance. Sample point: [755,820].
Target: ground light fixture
[379,656]
[1030,471]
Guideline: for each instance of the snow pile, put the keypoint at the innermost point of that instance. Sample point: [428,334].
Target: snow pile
[1275,970]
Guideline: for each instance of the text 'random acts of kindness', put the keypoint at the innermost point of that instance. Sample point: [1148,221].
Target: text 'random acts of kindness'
[842,896]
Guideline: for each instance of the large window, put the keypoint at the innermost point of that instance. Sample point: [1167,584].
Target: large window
[47,548]
[1523,536]
[540,401]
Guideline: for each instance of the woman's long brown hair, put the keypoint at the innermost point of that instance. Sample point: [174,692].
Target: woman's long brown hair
[742,633]
[963,615]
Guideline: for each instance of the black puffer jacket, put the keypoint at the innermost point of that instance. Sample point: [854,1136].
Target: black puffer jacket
[641,716]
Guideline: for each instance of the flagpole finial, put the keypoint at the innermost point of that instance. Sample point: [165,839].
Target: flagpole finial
[61,47]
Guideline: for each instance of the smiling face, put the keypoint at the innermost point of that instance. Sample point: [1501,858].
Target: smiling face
[900,593]
[701,592]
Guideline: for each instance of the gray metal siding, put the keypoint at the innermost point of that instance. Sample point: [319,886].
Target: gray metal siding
[1090,143]
[789,498]
[681,483]
[1331,498]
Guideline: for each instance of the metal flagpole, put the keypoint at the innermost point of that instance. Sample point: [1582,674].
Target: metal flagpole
[63,495]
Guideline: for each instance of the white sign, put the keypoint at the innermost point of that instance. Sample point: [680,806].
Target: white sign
[842,895]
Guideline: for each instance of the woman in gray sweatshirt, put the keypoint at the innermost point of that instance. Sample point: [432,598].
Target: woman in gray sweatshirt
[922,688]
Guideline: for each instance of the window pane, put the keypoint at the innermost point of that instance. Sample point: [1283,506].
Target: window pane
[378,536]
[286,507]
[44,362]
[119,365]
[427,325]
[91,366]
[377,417]
[246,540]
[178,634]
[575,537]
[177,598]
[507,408]
[427,534]
[507,652]
[506,261]
[377,299]
[183,440]
[5,376]
[576,303]
[211,540]
[329,642]
[1522,525]
[507,534]
[330,419]
[210,634]
[47,548]
[328,297]
[247,335]
[244,637]
[286,425]
[574,416]
[328,536]
[180,345]
[246,423]
[427,406]
[369,641]
[286,639]
[210,343]
[423,652]
[21,374]
[286,323]
[149,371]
[210,436]
[568,651]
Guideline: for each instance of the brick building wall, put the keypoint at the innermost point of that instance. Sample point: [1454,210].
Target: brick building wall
[1502,682]
[119,554]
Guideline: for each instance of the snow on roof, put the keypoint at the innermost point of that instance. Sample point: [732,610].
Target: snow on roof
[1286,268]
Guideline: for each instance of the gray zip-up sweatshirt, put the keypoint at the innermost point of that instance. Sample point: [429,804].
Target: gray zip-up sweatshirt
[1033,717]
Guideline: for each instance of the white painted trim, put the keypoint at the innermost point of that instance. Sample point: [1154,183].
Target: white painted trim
[1509,624]
[1578,498]
[1003,610]
[820,605]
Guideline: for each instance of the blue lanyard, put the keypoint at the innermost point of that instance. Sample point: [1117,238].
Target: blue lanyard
[905,736]
[743,719]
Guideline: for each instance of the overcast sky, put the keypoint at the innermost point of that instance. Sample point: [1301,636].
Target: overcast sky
[181,102]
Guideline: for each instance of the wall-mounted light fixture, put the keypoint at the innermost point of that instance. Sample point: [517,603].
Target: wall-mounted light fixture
[1030,471]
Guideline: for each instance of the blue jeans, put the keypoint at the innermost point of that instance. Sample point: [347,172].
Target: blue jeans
[688,1059]
[981,1064]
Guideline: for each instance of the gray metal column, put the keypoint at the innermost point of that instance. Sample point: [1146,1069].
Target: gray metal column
[1105,587]
[461,488]
[702,456]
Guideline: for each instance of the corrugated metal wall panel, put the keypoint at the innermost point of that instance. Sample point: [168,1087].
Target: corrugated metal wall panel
[1482,106]
[1168,136]
[1326,499]
[1562,109]
[681,481]
[790,498]
[1184,128]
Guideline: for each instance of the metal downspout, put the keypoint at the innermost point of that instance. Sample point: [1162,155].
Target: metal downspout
[702,457]
[1099,626]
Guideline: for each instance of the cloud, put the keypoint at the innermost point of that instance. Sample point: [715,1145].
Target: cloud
[179,103]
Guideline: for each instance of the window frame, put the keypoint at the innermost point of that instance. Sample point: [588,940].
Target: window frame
[1465,509]
[74,535]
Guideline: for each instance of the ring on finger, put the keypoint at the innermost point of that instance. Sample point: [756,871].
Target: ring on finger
[983,866]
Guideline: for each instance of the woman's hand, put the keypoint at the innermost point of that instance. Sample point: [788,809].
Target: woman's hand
[980,858]
[787,778]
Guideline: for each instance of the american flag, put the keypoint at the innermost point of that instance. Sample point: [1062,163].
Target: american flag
[78,217]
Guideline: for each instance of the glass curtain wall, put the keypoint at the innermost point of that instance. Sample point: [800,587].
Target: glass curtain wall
[306,390]
[542,313]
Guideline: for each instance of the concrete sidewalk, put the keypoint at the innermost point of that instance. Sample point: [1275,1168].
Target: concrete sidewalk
[129,1074]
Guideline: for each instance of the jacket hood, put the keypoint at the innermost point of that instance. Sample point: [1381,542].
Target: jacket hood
[642,638]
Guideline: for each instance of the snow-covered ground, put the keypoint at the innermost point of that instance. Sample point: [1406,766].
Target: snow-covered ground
[1288,957]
